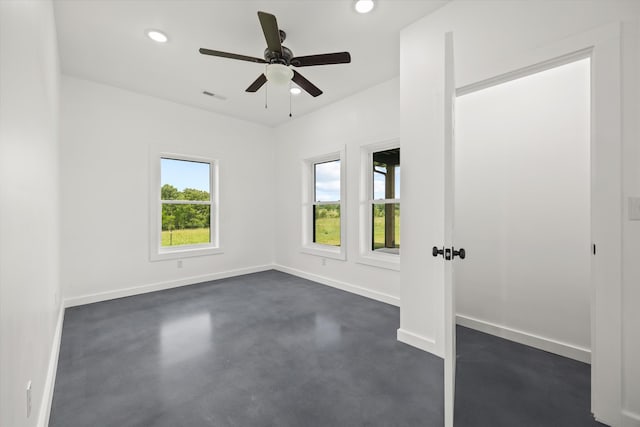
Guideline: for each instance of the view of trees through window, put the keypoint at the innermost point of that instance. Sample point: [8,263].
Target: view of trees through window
[186,202]
[385,203]
[326,204]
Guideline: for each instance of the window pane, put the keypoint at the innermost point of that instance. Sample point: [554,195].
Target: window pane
[386,174]
[386,228]
[327,181]
[185,224]
[326,224]
[379,177]
[184,180]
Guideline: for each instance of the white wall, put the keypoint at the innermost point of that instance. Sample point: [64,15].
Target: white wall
[108,136]
[29,244]
[486,34]
[631,229]
[367,117]
[522,206]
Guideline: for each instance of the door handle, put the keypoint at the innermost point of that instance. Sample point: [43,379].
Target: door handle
[449,254]
[460,253]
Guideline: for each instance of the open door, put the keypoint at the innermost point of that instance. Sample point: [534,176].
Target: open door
[603,47]
[449,252]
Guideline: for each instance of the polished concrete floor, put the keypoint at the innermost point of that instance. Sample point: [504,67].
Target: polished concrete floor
[501,383]
[266,349]
[270,349]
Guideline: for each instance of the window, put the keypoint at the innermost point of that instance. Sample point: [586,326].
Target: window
[323,208]
[385,201]
[326,203]
[185,209]
[380,205]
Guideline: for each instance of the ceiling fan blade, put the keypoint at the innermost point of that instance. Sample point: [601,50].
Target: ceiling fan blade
[305,84]
[323,59]
[253,87]
[231,56]
[270,29]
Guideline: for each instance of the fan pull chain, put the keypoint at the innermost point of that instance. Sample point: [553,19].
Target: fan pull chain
[290,99]
[266,89]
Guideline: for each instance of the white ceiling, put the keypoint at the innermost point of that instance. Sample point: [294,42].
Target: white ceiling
[105,41]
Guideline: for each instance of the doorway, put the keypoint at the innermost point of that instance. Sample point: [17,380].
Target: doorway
[603,46]
[522,208]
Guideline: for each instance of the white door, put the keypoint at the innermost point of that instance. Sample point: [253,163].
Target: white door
[449,252]
[603,46]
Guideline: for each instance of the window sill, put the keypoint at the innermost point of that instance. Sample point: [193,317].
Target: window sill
[186,252]
[387,261]
[324,251]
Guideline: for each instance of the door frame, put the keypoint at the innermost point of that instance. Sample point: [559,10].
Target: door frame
[603,46]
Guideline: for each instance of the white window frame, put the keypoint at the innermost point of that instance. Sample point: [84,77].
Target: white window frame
[366,254]
[156,251]
[308,202]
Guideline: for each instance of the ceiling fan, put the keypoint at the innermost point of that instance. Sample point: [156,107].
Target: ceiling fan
[279,58]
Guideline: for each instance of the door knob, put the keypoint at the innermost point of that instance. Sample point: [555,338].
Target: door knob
[435,251]
[461,253]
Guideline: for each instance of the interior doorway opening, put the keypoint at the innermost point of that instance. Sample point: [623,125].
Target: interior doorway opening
[523,208]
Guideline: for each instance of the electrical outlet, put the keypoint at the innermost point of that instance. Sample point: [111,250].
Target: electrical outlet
[324,261]
[29,399]
[179,263]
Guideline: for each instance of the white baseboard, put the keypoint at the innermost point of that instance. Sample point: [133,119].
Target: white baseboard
[137,290]
[418,341]
[52,368]
[552,346]
[629,419]
[354,289]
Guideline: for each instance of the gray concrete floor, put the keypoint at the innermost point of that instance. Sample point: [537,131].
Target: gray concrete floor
[502,383]
[270,349]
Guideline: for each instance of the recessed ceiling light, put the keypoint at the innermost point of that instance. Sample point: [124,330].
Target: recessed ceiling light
[295,90]
[157,36]
[364,6]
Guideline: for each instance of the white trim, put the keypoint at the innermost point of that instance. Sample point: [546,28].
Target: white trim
[344,286]
[143,289]
[571,351]
[525,71]
[380,260]
[325,251]
[418,341]
[630,419]
[52,368]
[383,201]
[160,253]
[365,254]
[308,246]
[186,202]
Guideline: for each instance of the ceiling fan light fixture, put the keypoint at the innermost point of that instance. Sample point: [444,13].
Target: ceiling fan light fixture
[364,6]
[295,90]
[157,36]
[278,74]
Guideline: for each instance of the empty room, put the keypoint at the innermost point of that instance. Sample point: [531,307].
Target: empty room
[319,213]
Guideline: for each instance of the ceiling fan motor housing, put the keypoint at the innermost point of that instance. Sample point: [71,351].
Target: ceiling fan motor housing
[278,58]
